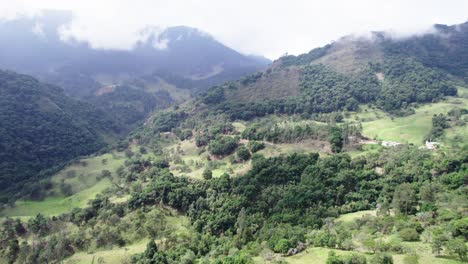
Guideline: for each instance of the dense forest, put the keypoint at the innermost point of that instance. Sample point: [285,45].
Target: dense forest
[40,129]
[130,105]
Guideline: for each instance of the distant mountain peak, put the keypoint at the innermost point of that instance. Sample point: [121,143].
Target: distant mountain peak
[184,56]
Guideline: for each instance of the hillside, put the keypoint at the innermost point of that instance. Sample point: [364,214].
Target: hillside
[392,74]
[41,128]
[320,158]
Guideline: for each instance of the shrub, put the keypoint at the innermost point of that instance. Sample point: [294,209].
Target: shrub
[256,146]
[356,259]
[243,153]
[460,228]
[223,146]
[282,246]
[334,259]
[381,258]
[411,259]
[106,173]
[457,247]
[409,234]
[143,150]
[207,174]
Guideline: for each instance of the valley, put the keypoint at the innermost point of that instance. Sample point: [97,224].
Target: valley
[182,150]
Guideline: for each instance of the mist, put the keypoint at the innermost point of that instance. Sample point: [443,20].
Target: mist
[269,28]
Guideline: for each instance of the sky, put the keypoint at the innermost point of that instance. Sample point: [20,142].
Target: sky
[263,27]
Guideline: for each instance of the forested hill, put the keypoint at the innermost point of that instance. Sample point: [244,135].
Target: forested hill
[444,48]
[392,74]
[40,128]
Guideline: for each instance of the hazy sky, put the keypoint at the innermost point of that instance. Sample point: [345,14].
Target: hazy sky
[266,27]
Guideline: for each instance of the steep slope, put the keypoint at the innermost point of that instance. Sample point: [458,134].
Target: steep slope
[40,128]
[444,48]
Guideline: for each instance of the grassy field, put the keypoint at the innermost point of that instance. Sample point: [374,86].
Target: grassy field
[319,256]
[409,129]
[51,206]
[114,255]
[82,176]
[315,255]
[356,215]
[309,146]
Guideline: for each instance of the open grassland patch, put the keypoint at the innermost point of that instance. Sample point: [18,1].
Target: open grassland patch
[409,129]
[306,146]
[114,255]
[84,173]
[51,206]
[356,215]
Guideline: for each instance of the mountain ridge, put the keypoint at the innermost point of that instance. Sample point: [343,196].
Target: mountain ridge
[175,49]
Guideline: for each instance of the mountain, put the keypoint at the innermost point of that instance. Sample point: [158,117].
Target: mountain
[183,56]
[393,74]
[40,129]
[444,48]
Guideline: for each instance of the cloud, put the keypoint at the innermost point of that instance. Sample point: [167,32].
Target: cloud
[267,27]
[38,29]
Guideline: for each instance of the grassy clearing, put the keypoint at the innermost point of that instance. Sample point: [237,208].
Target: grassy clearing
[315,255]
[356,215]
[240,127]
[319,256]
[425,254]
[84,174]
[457,136]
[194,162]
[51,206]
[365,149]
[308,146]
[410,129]
[115,255]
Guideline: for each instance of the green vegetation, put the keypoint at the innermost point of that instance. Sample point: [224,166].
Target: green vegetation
[130,105]
[41,130]
[323,90]
[223,146]
[413,128]
[53,206]
[289,179]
